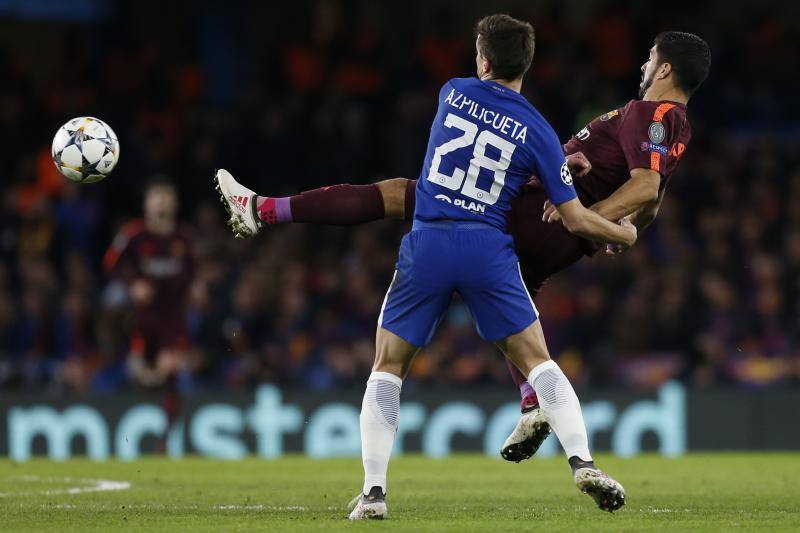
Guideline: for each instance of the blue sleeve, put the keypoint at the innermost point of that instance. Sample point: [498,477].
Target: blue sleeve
[552,168]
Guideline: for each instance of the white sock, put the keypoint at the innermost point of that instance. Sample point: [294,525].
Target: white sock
[380,413]
[561,407]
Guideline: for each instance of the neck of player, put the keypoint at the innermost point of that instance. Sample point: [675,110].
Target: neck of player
[514,85]
[657,93]
[160,225]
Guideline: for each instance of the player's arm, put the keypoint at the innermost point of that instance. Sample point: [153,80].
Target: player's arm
[119,261]
[589,225]
[646,214]
[635,194]
[642,218]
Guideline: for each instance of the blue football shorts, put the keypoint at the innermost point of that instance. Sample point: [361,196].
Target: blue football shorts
[438,259]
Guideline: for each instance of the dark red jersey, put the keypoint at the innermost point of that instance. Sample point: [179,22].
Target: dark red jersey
[642,134]
[164,261]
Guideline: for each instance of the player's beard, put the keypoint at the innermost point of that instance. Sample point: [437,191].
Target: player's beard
[646,83]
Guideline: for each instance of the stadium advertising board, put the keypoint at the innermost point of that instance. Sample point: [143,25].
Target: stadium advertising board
[269,422]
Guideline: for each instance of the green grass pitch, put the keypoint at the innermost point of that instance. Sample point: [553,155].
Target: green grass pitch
[701,492]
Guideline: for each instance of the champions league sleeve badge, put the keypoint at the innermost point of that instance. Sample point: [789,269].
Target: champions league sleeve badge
[656,132]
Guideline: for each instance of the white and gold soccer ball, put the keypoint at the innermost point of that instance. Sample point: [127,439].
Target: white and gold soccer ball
[85,149]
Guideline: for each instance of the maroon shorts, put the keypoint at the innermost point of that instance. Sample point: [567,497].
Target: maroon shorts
[151,336]
[543,248]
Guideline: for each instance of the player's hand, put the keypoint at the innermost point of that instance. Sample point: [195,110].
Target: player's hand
[141,292]
[578,165]
[550,213]
[627,224]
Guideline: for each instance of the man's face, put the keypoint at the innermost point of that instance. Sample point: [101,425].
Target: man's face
[160,202]
[648,71]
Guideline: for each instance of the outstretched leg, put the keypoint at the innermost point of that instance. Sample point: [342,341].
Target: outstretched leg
[338,205]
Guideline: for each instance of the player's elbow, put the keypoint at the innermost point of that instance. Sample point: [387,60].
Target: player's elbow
[575,223]
[650,193]
[647,183]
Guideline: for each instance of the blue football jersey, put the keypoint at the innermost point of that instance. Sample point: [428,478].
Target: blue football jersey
[486,142]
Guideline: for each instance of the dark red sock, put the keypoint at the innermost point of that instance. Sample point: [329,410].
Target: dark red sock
[529,399]
[338,205]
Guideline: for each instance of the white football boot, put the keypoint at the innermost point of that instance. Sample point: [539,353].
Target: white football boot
[369,506]
[239,202]
[526,438]
[608,494]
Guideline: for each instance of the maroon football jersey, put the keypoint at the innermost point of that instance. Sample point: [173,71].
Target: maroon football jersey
[166,262]
[642,134]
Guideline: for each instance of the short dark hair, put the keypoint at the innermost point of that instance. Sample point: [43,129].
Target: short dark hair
[689,56]
[160,180]
[507,43]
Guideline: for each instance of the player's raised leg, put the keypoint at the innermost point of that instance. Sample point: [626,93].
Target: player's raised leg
[339,205]
[562,409]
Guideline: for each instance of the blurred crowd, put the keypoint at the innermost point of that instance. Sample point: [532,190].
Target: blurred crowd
[333,92]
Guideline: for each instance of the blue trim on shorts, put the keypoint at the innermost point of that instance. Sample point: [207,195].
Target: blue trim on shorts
[446,224]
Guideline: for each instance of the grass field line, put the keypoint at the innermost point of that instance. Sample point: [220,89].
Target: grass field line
[85,486]
[95,506]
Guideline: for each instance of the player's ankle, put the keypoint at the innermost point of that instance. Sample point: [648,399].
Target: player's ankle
[529,399]
[273,210]
[576,463]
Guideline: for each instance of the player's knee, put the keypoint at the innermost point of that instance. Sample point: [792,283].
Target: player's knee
[394,196]
[392,354]
[526,349]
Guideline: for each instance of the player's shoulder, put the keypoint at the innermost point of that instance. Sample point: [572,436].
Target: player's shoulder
[132,229]
[655,110]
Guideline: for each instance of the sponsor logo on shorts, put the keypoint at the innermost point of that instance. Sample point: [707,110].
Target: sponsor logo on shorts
[656,132]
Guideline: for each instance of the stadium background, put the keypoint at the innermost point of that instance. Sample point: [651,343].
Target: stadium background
[299,95]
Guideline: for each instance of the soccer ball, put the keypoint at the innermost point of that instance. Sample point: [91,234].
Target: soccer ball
[85,149]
